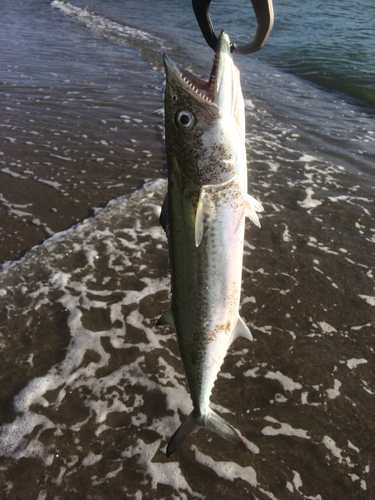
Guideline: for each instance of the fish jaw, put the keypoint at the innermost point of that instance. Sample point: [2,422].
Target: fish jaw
[200,91]
[227,92]
[211,144]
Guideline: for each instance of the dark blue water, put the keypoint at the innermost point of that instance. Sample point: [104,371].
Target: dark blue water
[331,44]
[90,389]
[328,43]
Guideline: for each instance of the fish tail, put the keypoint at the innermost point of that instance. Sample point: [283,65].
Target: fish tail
[210,420]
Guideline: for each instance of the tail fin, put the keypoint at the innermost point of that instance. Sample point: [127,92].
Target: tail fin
[210,420]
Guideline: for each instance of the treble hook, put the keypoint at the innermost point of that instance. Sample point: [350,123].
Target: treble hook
[264,14]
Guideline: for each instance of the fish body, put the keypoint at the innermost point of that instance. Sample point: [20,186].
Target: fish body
[204,217]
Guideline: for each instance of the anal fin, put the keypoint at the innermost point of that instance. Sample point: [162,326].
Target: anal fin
[241,330]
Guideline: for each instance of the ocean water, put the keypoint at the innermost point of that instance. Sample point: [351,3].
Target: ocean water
[91,390]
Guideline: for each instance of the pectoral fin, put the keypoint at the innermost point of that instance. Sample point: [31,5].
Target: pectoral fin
[205,213]
[253,206]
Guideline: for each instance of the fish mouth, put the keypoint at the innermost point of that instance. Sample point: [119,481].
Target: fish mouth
[210,95]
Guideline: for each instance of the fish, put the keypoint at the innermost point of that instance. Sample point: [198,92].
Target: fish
[203,216]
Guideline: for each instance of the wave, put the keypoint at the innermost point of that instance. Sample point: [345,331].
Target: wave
[329,44]
[95,292]
[149,45]
[334,76]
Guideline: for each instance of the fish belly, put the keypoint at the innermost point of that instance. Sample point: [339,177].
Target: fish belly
[206,287]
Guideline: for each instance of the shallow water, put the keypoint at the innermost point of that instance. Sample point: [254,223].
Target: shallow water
[99,389]
[91,390]
[76,128]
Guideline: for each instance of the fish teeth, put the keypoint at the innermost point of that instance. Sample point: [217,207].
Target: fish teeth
[206,98]
[196,90]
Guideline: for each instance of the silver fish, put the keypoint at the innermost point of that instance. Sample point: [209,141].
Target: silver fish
[203,216]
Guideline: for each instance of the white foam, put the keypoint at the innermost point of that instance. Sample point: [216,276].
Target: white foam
[69,375]
[252,372]
[287,383]
[156,472]
[10,172]
[54,184]
[336,451]
[370,299]
[20,213]
[335,392]
[59,157]
[304,400]
[285,429]
[286,234]
[307,158]
[104,26]
[265,329]
[309,203]
[91,459]
[227,470]
[297,485]
[351,445]
[326,327]
[353,363]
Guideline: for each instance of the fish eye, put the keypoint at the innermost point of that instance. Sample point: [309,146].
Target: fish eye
[185,120]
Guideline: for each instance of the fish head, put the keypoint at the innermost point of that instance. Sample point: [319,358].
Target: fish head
[204,120]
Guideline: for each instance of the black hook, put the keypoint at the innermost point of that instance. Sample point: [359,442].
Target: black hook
[264,14]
